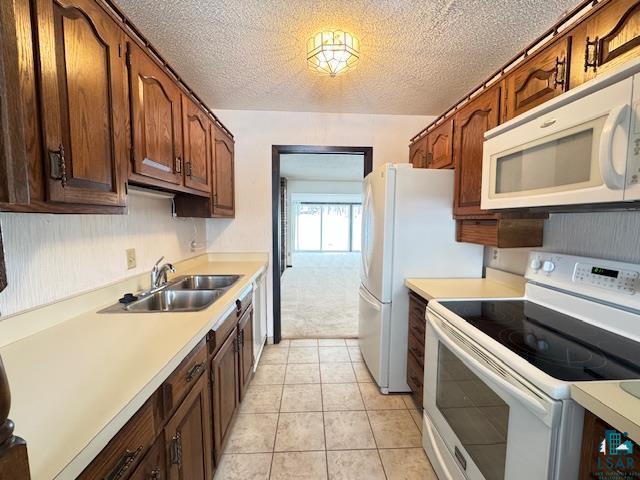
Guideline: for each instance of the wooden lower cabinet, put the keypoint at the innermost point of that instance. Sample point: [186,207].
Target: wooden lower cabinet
[415,346]
[153,466]
[225,379]
[245,342]
[187,437]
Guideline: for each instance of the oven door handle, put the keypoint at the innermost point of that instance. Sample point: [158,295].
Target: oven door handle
[532,403]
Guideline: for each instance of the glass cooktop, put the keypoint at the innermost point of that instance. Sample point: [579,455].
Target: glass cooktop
[561,346]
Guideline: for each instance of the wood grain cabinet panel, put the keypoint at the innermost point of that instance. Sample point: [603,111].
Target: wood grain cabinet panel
[187,437]
[608,38]
[225,376]
[480,115]
[156,121]
[223,204]
[153,465]
[83,88]
[440,145]
[541,78]
[418,153]
[197,148]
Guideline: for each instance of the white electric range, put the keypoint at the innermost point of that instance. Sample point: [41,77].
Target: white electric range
[498,371]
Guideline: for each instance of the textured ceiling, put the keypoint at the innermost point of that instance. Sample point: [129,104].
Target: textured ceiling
[327,167]
[417,56]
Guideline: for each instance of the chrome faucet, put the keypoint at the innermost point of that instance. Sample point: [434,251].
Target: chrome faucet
[159,273]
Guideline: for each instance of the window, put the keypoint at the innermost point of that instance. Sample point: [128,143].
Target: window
[328,227]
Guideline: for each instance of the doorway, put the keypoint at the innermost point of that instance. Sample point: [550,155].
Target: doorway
[314,231]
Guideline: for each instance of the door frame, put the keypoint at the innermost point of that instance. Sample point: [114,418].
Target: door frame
[276,151]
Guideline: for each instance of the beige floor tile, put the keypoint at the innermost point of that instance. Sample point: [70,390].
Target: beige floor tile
[352,342]
[303,355]
[355,465]
[300,431]
[254,466]
[334,354]
[299,465]
[274,356]
[417,418]
[269,375]
[354,353]
[408,401]
[337,373]
[253,433]
[303,342]
[341,396]
[407,464]
[348,430]
[331,342]
[374,400]
[301,398]
[302,373]
[282,344]
[394,429]
[262,399]
[362,373]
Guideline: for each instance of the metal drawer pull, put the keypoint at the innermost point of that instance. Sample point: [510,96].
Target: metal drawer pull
[176,450]
[195,371]
[155,474]
[123,465]
[58,165]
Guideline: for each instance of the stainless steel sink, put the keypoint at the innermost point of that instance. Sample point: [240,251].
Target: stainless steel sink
[203,282]
[175,301]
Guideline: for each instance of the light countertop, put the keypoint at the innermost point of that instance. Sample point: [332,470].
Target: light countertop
[496,285]
[75,384]
[612,404]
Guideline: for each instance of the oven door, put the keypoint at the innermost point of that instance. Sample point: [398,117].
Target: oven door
[495,425]
[576,154]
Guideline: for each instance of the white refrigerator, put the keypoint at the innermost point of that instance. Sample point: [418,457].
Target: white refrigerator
[407,231]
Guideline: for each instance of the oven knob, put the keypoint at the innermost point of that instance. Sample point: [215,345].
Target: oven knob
[548,266]
[535,264]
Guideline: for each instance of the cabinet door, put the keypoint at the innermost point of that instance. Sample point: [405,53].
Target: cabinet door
[418,153]
[83,88]
[196,132]
[224,181]
[440,145]
[153,465]
[224,389]
[156,122]
[187,437]
[480,115]
[540,78]
[607,39]
[245,330]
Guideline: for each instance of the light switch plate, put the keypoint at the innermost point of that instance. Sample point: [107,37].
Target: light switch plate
[131,258]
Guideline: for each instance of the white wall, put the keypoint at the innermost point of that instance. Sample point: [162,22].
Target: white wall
[609,235]
[49,257]
[257,131]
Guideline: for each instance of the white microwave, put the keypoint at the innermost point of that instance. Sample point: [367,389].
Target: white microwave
[582,147]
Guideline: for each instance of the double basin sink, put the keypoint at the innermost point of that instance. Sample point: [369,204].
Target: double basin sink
[183,294]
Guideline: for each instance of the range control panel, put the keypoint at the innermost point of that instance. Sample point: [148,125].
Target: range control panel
[607,280]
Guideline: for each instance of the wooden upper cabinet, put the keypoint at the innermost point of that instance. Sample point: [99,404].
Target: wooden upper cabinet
[223,194]
[540,78]
[418,153]
[156,121]
[440,145]
[83,87]
[472,120]
[196,144]
[610,37]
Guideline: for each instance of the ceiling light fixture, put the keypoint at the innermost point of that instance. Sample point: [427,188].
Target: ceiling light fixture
[332,52]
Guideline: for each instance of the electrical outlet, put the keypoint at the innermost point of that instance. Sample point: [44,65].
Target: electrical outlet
[131,258]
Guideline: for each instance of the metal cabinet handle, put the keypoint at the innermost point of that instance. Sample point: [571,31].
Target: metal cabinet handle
[591,54]
[58,170]
[178,166]
[195,371]
[560,74]
[187,169]
[176,450]
[155,474]
[123,464]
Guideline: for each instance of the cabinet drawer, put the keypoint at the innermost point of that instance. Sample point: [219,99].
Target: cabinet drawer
[243,303]
[416,347]
[417,306]
[124,452]
[216,337]
[176,387]
[152,466]
[415,377]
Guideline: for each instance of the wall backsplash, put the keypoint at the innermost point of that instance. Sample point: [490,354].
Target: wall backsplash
[610,235]
[50,257]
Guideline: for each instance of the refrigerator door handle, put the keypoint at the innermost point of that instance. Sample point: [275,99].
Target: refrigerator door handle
[369,299]
[366,224]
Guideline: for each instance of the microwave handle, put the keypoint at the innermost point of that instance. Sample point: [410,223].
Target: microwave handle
[612,179]
[479,367]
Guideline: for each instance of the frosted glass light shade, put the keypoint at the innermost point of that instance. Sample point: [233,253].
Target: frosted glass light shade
[332,53]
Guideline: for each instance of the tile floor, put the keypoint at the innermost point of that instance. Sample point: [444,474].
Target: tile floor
[312,412]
